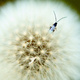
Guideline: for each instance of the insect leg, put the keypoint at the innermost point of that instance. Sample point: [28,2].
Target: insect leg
[50,27]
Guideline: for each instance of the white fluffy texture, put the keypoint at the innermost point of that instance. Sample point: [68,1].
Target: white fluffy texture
[35,13]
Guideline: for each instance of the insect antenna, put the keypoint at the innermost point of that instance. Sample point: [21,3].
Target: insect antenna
[55,16]
[61,19]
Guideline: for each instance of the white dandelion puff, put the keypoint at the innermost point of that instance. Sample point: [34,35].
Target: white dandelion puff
[29,52]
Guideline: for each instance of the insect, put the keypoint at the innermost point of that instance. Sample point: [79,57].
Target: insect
[53,27]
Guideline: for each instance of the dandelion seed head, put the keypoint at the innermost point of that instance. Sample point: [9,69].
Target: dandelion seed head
[31,52]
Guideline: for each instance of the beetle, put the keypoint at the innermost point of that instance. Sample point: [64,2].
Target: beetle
[53,27]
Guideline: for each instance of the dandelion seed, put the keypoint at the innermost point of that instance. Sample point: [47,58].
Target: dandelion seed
[31,50]
[43,51]
[38,43]
[31,37]
[17,38]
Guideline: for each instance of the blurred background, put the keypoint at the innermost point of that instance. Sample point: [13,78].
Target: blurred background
[74,4]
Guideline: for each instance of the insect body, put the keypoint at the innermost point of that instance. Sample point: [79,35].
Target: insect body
[53,27]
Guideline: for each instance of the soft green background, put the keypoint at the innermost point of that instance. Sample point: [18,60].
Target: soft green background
[74,4]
